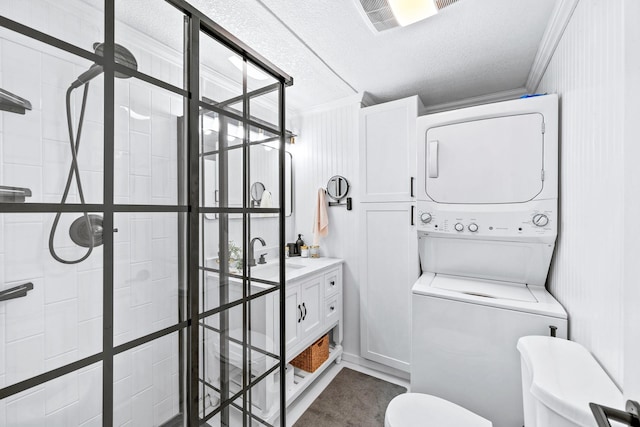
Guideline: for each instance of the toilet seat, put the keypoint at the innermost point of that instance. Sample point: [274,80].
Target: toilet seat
[423,410]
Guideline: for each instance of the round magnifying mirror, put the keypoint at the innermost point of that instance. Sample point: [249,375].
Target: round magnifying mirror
[257,188]
[337,187]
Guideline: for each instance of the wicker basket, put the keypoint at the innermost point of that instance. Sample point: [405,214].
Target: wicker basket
[314,356]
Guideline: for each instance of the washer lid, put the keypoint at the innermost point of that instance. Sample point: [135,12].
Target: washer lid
[484,288]
[504,295]
[418,410]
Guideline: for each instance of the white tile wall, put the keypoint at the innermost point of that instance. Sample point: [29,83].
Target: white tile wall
[587,71]
[60,321]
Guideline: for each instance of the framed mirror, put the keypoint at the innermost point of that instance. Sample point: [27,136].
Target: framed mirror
[337,187]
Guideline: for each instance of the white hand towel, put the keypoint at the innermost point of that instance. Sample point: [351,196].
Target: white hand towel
[267,200]
[321,219]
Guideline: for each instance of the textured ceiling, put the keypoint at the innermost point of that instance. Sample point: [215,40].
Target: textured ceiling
[471,48]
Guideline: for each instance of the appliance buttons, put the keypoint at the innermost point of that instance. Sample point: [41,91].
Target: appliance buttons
[425,217]
[459,227]
[473,227]
[540,220]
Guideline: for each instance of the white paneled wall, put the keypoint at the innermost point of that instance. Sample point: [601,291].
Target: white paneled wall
[587,71]
[327,145]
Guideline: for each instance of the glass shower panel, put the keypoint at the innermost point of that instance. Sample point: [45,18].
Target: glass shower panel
[148,388]
[79,22]
[156,41]
[264,105]
[226,190]
[50,313]
[264,174]
[35,157]
[147,144]
[71,400]
[147,278]
[221,71]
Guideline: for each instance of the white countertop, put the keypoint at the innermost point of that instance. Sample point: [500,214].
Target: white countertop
[295,268]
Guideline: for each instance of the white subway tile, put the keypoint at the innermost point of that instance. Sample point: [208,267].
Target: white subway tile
[162,251]
[91,150]
[23,260]
[122,314]
[23,139]
[163,412]
[24,176]
[141,240]
[142,368]
[61,392]
[27,411]
[63,417]
[121,268]
[61,328]
[123,366]
[162,290]
[140,108]
[55,169]
[140,188]
[60,280]
[24,359]
[143,409]
[140,152]
[90,393]
[93,422]
[89,337]
[121,174]
[54,122]
[25,316]
[89,295]
[163,386]
[161,103]
[3,345]
[94,262]
[141,288]
[57,72]
[160,186]
[142,320]
[122,401]
[21,72]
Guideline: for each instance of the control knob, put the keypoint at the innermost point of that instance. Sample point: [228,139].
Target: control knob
[425,217]
[459,227]
[473,227]
[540,220]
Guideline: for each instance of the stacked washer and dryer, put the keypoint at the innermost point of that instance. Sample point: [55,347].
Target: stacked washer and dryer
[487,207]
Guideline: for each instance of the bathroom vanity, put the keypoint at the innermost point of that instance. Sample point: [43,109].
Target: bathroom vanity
[313,307]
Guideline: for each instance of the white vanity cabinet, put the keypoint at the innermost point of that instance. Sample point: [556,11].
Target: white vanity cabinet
[388,263]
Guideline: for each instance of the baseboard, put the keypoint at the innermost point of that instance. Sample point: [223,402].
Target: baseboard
[360,361]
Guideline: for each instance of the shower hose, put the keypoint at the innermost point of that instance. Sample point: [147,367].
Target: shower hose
[74,144]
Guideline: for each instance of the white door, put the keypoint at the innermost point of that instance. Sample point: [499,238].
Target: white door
[388,268]
[312,310]
[292,316]
[496,160]
[387,151]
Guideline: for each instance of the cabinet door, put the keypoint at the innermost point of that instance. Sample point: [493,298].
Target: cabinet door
[388,151]
[312,308]
[389,266]
[292,316]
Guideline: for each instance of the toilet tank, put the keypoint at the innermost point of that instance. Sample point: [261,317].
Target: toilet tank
[559,380]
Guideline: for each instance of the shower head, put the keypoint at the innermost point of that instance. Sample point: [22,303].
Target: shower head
[122,56]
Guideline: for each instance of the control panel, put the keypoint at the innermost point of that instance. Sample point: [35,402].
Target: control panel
[534,219]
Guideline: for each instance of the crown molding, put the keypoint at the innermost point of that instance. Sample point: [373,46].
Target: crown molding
[477,100]
[558,22]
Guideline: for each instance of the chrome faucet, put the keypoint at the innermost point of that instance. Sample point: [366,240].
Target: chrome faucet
[252,258]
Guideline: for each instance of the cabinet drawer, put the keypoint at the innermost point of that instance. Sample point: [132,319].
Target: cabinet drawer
[332,309]
[332,282]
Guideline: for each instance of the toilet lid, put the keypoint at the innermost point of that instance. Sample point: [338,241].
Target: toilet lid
[422,410]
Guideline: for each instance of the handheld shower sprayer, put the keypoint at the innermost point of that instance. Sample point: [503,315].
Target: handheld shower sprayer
[86,231]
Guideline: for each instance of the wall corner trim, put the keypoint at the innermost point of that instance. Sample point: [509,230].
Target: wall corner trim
[558,22]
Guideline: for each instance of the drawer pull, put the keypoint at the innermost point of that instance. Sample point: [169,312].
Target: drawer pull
[332,308]
[305,311]
[299,313]
[333,283]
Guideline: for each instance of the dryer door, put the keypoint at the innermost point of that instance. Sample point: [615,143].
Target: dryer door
[496,160]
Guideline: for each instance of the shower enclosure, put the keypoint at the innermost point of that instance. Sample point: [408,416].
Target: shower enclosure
[142,174]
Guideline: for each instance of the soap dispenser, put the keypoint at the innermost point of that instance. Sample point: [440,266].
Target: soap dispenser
[299,243]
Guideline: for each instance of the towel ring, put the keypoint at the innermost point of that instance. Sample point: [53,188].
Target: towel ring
[337,189]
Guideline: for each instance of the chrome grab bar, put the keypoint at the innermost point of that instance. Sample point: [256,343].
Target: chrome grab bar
[16,292]
[603,414]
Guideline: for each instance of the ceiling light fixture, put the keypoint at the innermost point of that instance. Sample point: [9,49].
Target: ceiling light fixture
[408,12]
[252,70]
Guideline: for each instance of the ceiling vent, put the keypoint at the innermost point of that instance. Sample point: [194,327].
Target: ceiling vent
[381,16]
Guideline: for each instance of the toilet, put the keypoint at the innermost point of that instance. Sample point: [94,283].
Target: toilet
[423,410]
[559,379]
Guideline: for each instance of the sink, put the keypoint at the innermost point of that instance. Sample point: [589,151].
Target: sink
[271,272]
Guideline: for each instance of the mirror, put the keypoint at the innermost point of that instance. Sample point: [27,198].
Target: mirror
[257,189]
[337,187]
[263,173]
